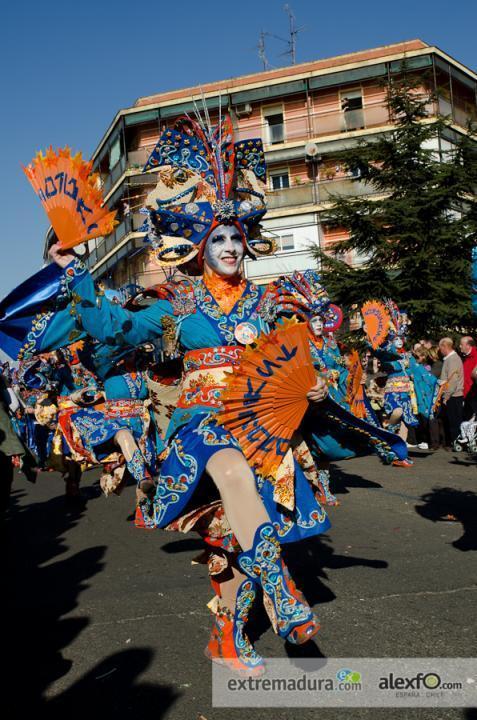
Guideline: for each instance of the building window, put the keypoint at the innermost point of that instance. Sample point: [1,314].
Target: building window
[286,242]
[352,107]
[276,128]
[280,180]
[115,153]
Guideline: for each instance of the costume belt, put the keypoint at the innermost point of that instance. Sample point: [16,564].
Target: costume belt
[111,408]
[124,408]
[398,385]
[204,376]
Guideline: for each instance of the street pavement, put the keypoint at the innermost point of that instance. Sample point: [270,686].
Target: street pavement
[104,620]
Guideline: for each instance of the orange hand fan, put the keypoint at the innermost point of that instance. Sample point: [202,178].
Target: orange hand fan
[265,396]
[354,389]
[376,322]
[70,196]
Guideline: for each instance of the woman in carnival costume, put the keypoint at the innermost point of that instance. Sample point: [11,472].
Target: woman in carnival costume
[114,428]
[209,208]
[303,296]
[410,388]
[104,416]
[48,383]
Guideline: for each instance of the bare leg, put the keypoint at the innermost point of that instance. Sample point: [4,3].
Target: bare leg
[229,588]
[290,614]
[235,482]
[129,449]
[126,442]
[394,419]
[403,431]
[395,416]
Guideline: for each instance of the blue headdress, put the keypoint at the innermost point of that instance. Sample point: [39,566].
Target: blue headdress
[204,179]
[300,294]
[398,326]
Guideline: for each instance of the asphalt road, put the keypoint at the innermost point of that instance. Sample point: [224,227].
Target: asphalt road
[104,620]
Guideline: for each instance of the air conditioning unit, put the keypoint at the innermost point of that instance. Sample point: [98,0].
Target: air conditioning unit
[243,109]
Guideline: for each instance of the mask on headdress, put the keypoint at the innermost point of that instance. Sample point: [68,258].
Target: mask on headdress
[204,180]
[301,294]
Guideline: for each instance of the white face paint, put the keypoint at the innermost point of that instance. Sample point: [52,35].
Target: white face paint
[224,250]
[317,325]
[398,343]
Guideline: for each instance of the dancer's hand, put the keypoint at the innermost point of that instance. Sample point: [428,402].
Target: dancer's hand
[318,392]
[59,256]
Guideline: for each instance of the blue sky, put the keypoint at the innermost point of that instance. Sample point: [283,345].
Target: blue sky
[66,68]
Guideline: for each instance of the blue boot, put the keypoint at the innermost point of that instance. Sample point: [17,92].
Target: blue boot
[290,615]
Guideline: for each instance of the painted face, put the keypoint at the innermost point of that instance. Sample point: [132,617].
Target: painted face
[317,325]
[398,343]
[224,250]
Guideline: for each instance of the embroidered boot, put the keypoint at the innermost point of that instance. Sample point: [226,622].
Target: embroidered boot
[291,616]
[324,481]
[228,643]
[137,467]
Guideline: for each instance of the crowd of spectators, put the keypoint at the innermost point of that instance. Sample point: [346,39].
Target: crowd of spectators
[455,367]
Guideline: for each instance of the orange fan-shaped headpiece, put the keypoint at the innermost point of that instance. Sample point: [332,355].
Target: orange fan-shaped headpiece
[376,320]
[69,192]
[265,397]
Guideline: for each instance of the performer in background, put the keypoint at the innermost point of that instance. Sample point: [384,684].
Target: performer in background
[410,388]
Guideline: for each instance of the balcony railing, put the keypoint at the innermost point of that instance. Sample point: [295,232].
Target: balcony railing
[302,128]
[114,174]
[138,158]
[283,263]
[315,193]
[129,224]
[288,197]
[318,124]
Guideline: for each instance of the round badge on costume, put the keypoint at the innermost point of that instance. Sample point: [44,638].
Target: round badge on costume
[246,333]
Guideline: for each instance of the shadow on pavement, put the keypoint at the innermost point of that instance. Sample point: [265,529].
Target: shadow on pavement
[186,545]
[470,462]
[43,583]
[340,481]
[111,689]
[443,504]
[308,561]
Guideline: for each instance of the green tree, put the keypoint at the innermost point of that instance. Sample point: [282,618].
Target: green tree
[415,230]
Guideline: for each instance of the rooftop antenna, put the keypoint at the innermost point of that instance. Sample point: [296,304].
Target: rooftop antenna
[290,42]
[261,50]
[293,34]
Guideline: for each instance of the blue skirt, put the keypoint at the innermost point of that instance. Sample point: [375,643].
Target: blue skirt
[97,431]
[183,470]
[395,400]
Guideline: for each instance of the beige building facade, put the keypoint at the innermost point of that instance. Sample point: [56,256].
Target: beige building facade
[306,114]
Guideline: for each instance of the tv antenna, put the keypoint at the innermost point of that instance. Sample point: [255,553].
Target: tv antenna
[261,51]
[294,30]
[291,41]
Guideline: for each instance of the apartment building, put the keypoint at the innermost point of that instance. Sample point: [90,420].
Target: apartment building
[305,114]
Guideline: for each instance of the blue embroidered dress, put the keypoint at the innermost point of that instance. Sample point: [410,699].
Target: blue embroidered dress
[409,385]
[207,337]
